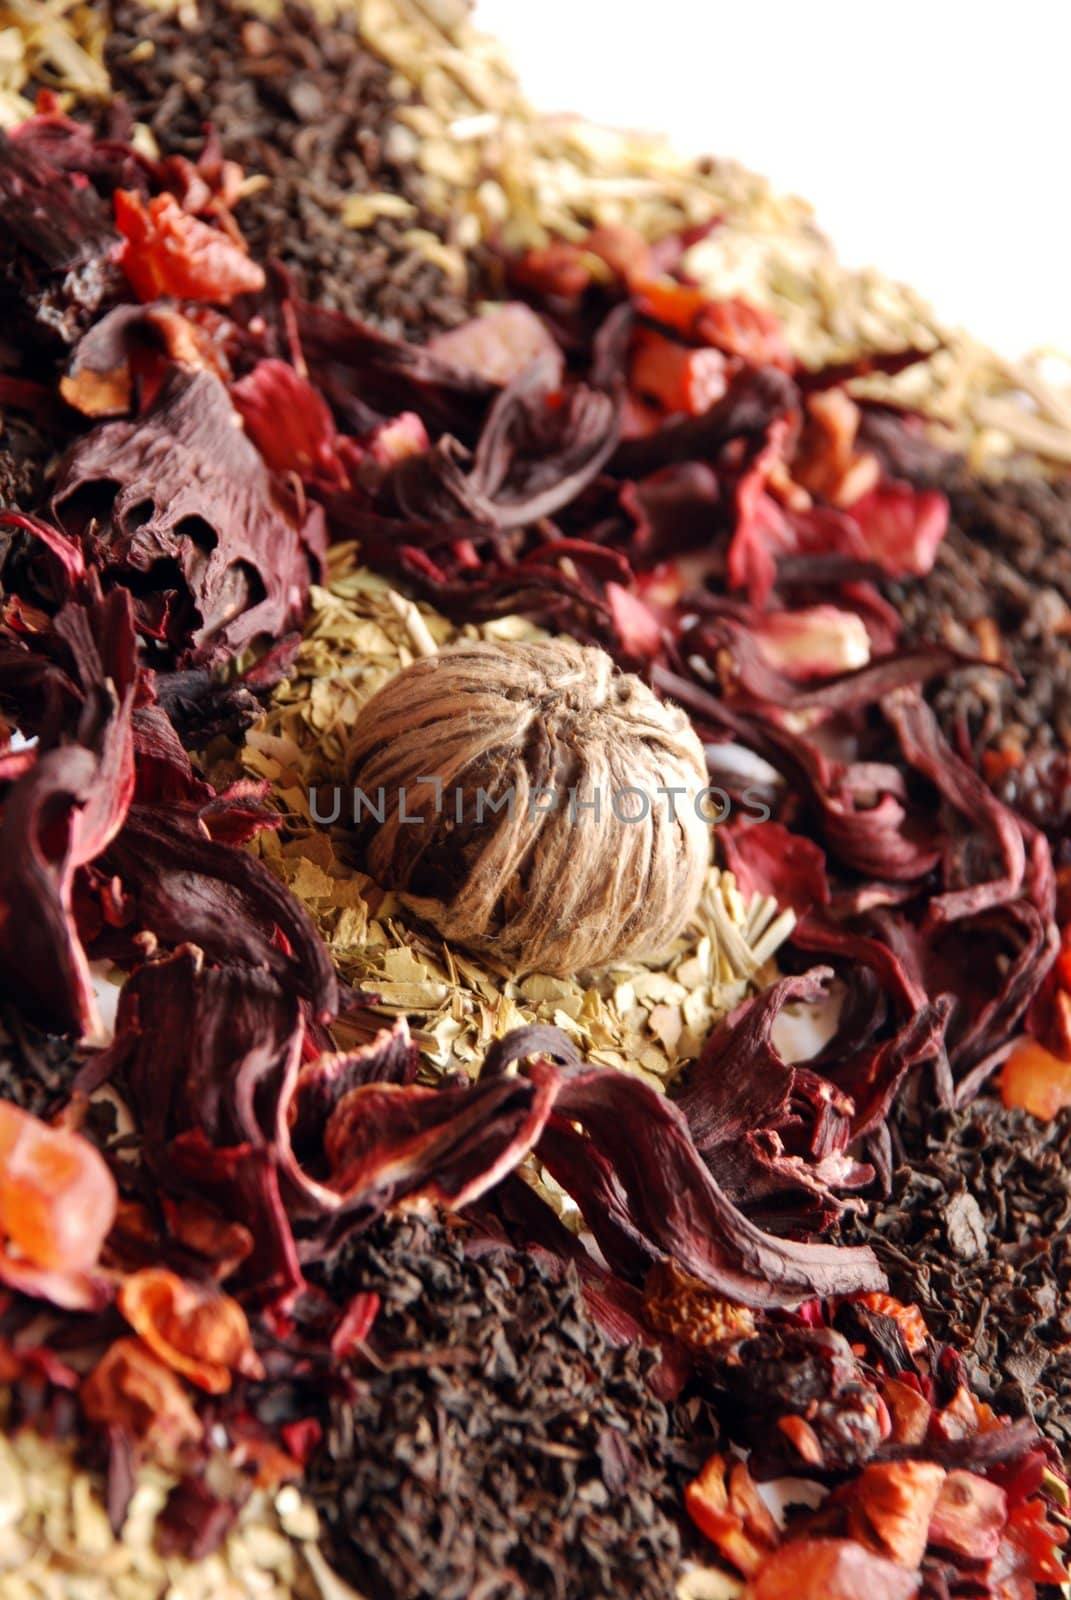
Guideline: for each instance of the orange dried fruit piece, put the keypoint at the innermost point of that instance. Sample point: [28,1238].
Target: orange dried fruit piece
[57,1197]
[676,376]
[168,252]
[891,1506]
[195,1330]
[130,1388]
[727,1509]
[830,1569]
[1035,1080]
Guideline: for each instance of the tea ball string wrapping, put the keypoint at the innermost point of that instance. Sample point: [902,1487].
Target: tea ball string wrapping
[549,837]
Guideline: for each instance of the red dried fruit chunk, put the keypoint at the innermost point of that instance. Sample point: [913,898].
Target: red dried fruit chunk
[1029,1548]
[199,1332]
[813,641]
[558,270]
[830,1569]
[676,376]
[57,1196]
[1035,1080]
[891,1506]
[733,325]
[826,461]
[131,1389]
[969,1516]
[624,250]
[500,344]
[804,1440]
[168,252]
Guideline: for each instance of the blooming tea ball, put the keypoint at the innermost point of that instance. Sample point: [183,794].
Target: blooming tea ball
[534,803]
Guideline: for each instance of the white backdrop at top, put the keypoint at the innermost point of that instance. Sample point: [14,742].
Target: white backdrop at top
[933,137]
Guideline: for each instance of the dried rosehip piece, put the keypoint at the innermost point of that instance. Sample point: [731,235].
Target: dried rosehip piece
[57,1196]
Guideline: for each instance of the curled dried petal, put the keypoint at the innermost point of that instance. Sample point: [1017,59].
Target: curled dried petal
[131,1389]
[199,1332]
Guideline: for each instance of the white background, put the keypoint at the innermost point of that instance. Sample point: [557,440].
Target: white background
[933,137]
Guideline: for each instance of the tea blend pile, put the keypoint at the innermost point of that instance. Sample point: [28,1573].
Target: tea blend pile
[310,114]
[1001,587]
[622,1281]
[975,1233]
[539,1452]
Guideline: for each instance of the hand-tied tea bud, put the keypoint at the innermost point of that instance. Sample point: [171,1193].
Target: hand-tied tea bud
[557,822]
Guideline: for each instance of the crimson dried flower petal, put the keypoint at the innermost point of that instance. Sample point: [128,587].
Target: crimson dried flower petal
[288,421]
[128,350]
[63,811]
[180,506]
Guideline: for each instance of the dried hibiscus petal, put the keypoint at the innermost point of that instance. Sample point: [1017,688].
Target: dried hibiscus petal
[57,1196]
[199,1332]
[288,421]
[179,506]
[168,252]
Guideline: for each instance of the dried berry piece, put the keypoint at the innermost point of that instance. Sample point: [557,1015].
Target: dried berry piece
[683,1306]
